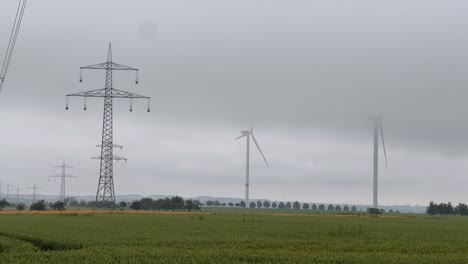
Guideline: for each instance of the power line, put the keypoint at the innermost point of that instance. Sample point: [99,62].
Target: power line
[12,41]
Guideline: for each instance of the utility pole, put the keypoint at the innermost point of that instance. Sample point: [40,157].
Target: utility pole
[105,192]
[7,191]
[62,177]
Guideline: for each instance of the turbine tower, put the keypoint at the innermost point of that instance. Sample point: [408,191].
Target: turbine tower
[248,134]
[377,128]
[62,177]
[105,191]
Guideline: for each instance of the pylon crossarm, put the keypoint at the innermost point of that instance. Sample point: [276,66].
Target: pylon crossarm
[117,158]
[123,94]
[115,94]
[109,66]
[114,157]
[60,176]
[64,166]
[113,145]
[120,67]
[92,93]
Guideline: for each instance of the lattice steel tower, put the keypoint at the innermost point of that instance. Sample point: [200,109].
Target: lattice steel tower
[63,175]
[34,195]
[105,191]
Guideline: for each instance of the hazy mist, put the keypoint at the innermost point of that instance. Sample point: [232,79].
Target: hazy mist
[308,73]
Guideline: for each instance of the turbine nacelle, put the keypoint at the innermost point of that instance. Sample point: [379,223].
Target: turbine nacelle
[249,134]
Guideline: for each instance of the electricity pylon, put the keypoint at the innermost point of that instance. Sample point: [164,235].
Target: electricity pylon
[3,186]
[105,191]
[34,192]
[18,194]
[62,177]
[7,191]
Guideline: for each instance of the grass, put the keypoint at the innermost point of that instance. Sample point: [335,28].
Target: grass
[103,237]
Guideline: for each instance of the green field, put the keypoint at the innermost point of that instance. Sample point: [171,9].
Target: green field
[231,238]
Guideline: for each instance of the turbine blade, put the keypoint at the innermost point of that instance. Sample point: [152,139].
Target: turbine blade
[383,143]
[251,127]
[256,143]
[240,137]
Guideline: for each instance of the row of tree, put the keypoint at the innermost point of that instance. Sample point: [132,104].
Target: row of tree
[446,209]
[172,204]
[178,203]
[37,206]
[287,205]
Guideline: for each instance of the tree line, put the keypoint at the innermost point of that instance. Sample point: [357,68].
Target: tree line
[167,204]
[174,203]
[447,209]
[284,205]
[178,203]
[40,205]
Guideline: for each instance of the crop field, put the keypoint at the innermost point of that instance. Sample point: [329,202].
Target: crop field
[89,237]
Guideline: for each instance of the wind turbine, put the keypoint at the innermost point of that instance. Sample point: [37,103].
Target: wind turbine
[377,128]
[248,134]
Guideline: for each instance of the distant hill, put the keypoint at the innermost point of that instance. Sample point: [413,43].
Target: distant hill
[27,199]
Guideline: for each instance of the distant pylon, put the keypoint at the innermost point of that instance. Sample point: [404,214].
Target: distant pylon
[62,177]
[17,194]
[35,192]
[105,191]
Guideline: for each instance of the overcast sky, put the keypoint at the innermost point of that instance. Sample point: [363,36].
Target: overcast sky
[308,73]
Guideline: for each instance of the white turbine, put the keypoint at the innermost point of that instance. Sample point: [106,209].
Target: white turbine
[248,134]
[377,128]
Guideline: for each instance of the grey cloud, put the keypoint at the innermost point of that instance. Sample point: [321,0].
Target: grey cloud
[309,73]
